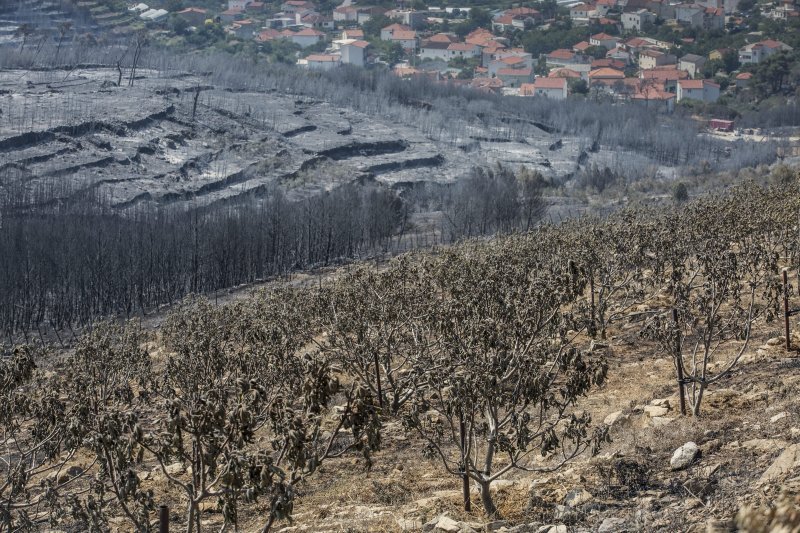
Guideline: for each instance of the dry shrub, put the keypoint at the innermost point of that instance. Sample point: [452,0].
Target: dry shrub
[783,517]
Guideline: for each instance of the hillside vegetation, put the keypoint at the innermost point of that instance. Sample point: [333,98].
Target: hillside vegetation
[484,368]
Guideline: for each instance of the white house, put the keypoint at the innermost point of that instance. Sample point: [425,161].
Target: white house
[555,88]
[354,52]
[650,59]
[307,37]
[603,39]
[758,52]
[322,61]
[465,50]
[430,49]
[388,31]
[241,5]
[635,20]
[693,64]
[690,15]
[702,90]
[580,12]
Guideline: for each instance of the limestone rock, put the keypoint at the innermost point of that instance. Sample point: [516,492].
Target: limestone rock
[409,524]
[776,341]
[764,445]
[786,462]
[612,525]
[779,417]
[561,528]
[659,421]
[577,497]
[175,469]
[684,456]
[655,410]
[614,418]
[443,523]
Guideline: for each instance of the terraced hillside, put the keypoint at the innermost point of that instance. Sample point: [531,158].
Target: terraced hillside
[66,134]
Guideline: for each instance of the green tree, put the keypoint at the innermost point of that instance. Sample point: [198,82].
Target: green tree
[373,27]
[771,74]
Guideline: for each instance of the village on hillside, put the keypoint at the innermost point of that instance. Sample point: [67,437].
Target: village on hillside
[654,52]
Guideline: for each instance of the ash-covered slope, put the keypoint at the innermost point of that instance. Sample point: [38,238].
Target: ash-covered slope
[65,134]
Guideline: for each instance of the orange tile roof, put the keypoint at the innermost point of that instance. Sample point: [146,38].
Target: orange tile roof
[550,83]
[512,60]
[323,58]
[695,84]
[606,73]
[442,38]
[461,47]
[309,32]
[664,74]
[563,73]
[514,72]
[396,27]
[561,54]
[404,35]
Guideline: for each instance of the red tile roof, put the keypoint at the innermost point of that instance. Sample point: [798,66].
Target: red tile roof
[399,35]
[612,63]
[443,38]
[515,72]
[564,73]
[323,58]
[512,60]
[664,74]
[396,27]
[652,92]
[550,83]
[696,84]
[461,47]
[309,32]
[561,54]
[607,74]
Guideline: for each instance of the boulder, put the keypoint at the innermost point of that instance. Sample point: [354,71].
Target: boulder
[786,462]
[565,514]
[684,456]
[577,497]
[175,469]
[560,528]
[659,421]
[409,524]
[779,417]
[444,523]
[612,525]
[614,418]
[764,445]
[776,341]
[655,410]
